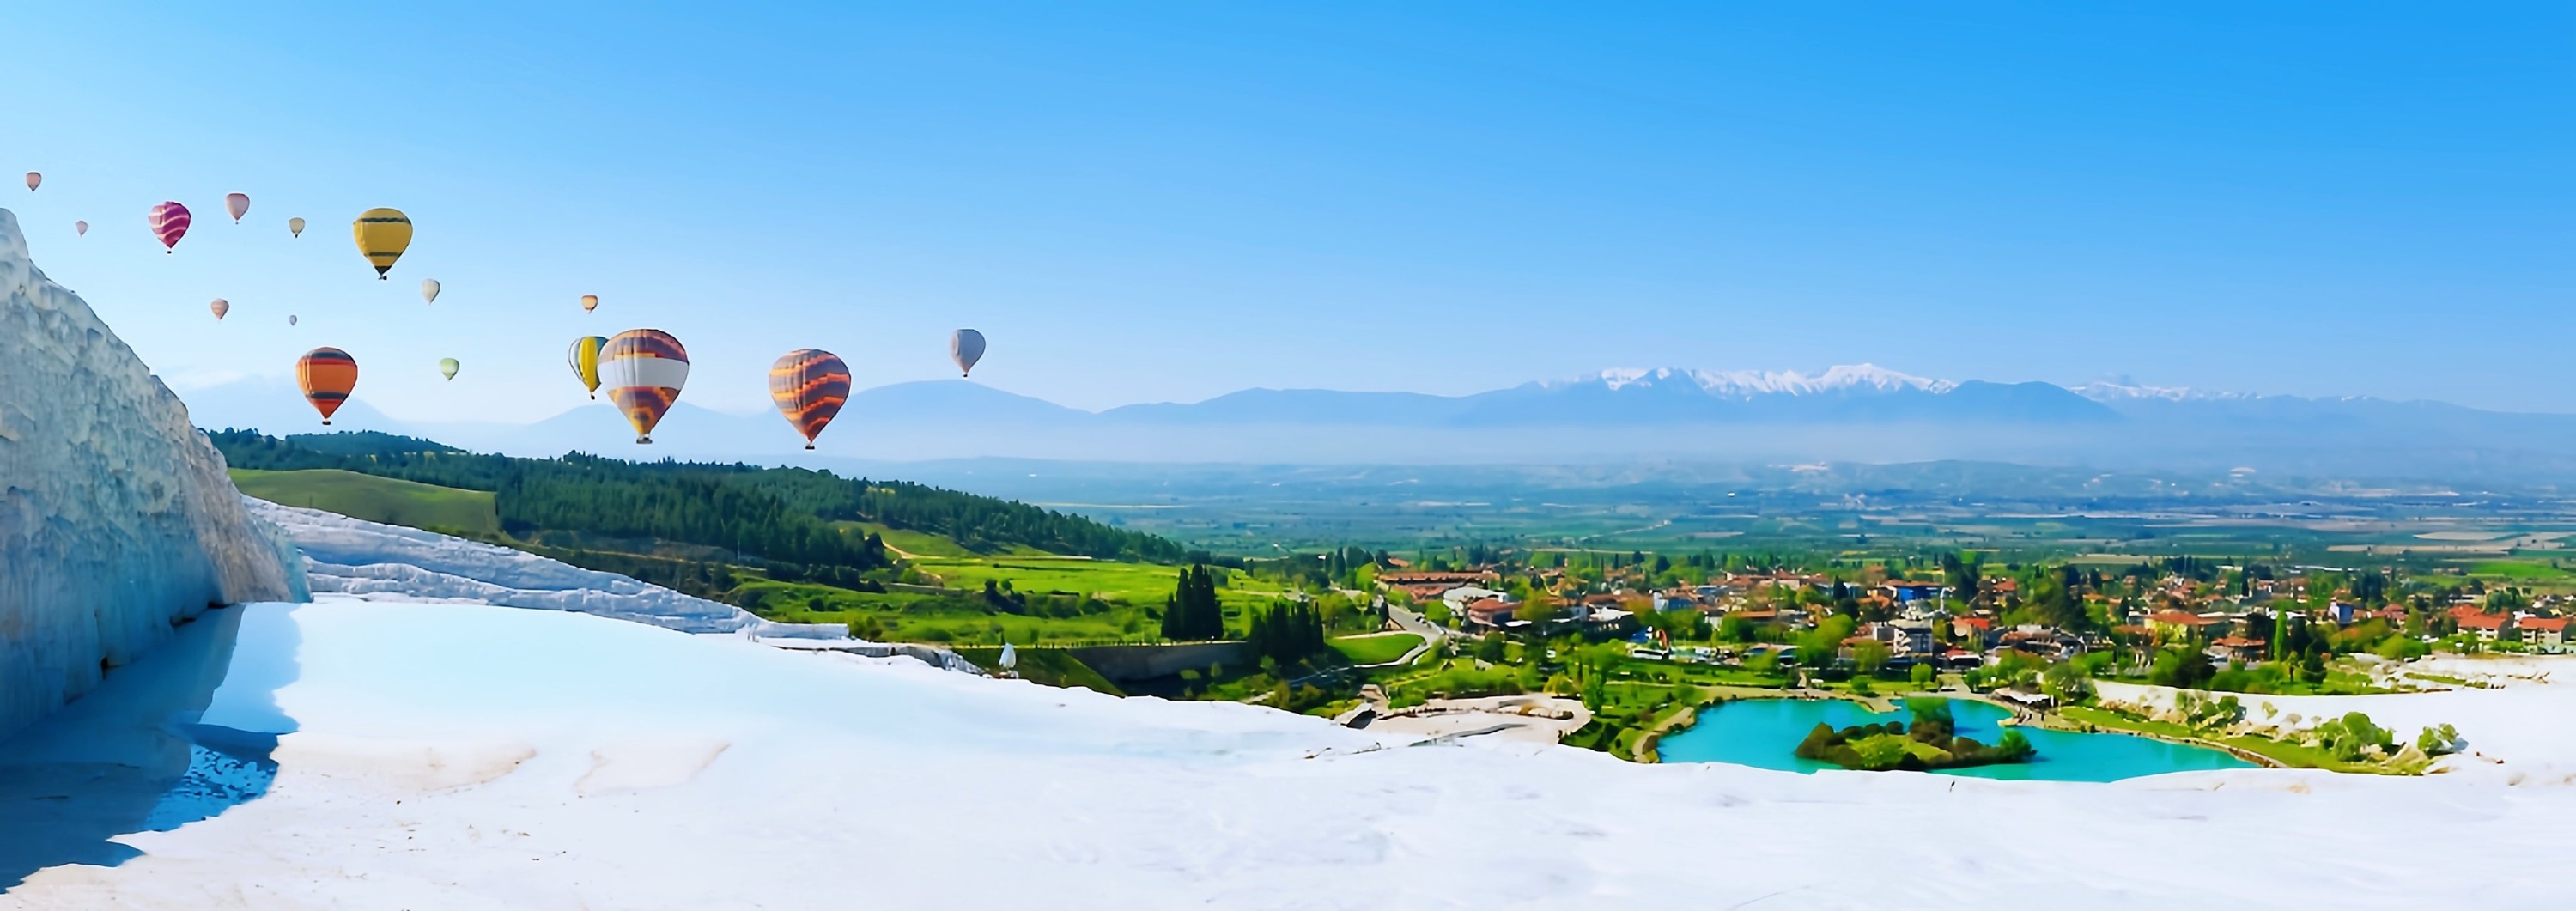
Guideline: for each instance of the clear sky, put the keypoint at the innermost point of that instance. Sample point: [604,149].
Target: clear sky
[1144,202]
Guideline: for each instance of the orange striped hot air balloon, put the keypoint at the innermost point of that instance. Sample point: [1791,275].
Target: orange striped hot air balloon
[809,387]
[644,370]
[327,375]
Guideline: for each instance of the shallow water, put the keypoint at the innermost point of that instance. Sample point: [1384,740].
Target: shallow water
[1764,732]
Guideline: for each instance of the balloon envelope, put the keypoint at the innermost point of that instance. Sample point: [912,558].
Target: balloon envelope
[966,347]
[383,235]
[429,290]
[809,387]
[169,222]
[327,375]
[220,307]
[80,228]
[447,367]
[589,302]
[295,227]
[585,361]
[238,204]
[644,370]
[33,179]
[290,319]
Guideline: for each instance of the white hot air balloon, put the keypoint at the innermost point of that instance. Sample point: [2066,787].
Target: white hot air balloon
[238,204]
[429,290]
[966,347]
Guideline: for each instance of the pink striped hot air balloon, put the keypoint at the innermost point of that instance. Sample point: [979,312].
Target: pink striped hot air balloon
[238,204]
[169,223]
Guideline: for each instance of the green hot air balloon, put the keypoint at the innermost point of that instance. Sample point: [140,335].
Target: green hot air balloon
[447,367]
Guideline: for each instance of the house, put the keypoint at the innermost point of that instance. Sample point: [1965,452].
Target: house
[2548,634]
[1490,613]
[2488,627]
[1909,637]
[1975,630]
[1464,595]
[2239,650]
[2176,624]
[1902,592]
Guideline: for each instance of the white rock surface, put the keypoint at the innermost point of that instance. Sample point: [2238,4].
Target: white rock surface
[455,756]
[116,517]
[375,561]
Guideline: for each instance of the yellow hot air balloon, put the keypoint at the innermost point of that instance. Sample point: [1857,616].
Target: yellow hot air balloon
[383,235]
[584,359]
[447,367]
[295,226]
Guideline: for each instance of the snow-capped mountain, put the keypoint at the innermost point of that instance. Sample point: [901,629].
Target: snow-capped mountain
[1751,383]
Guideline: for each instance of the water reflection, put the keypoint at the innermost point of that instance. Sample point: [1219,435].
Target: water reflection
[137,754]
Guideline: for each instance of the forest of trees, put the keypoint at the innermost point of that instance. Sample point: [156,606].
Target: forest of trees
[1193,611]
[778,514]
[1286,632]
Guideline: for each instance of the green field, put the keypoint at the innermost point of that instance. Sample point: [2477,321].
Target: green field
[2520,571]
[914,544]
[1375,649]
[375,499]
[1134,583]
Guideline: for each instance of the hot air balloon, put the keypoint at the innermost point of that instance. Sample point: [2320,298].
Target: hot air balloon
[327,375]
[643,370]
[80,229]
[589,302]
[295,227]
[238,204]
[290,319]
[220,307]
[429,290]
[585,361]
[33,179]
[382,235]
[809,387]
[447,367]
[169,222]
[967,347]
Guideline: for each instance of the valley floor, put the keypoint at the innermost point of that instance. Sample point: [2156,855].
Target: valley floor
[462,756]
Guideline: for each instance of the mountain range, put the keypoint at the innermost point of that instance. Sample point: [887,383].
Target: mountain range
[1848,413]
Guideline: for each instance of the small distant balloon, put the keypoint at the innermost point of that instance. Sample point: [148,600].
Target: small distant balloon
[809,387]
[295,227]
[220,307]
[383,235]
[966,347]
[169,222]
[429,290]
[589,302]
[290,319]
[327,375]
[584,358]
[644,370]
[80,228]
[33,179]
[238,204]
[447,367]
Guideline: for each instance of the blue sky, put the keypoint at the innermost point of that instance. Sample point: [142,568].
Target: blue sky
[1142,202]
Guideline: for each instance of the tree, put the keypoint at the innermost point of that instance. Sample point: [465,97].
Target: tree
[1870,657]
[1193,611]
[1923,674]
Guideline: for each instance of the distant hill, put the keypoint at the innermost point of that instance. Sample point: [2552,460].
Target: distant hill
[1842,414]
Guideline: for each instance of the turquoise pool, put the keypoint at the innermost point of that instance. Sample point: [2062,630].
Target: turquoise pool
[1762,732]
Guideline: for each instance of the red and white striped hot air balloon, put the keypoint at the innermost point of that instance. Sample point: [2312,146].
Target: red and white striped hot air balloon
[644,370]
[169,222]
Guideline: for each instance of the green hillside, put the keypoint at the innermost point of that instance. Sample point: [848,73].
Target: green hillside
[375,499]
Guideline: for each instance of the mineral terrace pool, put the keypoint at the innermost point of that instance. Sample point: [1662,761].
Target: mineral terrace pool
[1764,732]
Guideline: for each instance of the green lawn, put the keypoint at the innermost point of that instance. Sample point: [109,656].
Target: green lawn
[1053,667]
[375,499]
[2521,571]
[1375,649]
[925,544]
[1135,583]
[2291,754]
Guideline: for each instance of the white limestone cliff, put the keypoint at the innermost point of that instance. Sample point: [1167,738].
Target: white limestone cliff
[117,520]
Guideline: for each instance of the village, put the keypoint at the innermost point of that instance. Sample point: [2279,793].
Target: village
[1642,642]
